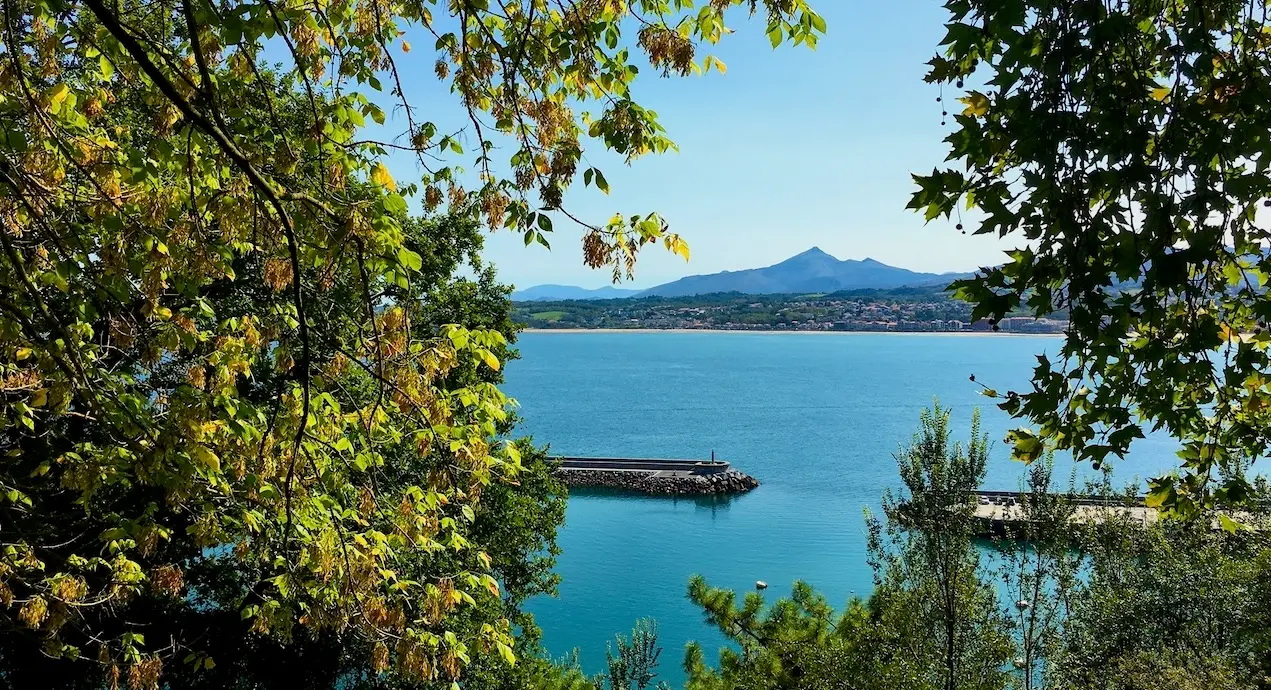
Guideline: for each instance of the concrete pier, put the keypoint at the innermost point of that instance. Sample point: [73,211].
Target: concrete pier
[659,476]
[996,512]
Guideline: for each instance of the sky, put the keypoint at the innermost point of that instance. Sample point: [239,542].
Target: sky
[791,149]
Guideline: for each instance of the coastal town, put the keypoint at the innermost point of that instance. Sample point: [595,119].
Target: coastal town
[904,310]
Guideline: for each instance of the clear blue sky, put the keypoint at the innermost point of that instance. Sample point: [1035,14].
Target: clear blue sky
[790,149]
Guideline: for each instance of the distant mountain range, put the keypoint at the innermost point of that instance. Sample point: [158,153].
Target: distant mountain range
[811,271]
[549,293]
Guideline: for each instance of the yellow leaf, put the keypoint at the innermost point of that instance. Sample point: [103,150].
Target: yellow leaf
[58,93]
[679,246]
[405,47]
[491,585]
[1160,93]
[41,398]
[381,177]
[206,457]
[490,360]
[977,104]
[23,353]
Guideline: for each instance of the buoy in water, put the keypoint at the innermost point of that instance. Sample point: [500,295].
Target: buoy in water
[760,584]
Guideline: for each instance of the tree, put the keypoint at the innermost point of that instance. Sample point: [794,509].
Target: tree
[1124,144]
[797,642]
[514,526]
[931,622]
[630,665]
[208,317]
[925,558]
[1163,601]
[634,664]
[1039,567]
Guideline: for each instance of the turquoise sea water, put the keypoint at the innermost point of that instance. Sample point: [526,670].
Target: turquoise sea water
[815,417]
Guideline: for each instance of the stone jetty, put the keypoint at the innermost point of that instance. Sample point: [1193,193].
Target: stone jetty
[656,476]
[997,513]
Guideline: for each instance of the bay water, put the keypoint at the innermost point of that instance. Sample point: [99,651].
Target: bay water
[816,418]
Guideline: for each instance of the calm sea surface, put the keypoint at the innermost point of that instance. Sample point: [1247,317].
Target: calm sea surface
[815,417]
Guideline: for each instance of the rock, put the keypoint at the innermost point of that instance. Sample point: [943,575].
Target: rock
[728,482]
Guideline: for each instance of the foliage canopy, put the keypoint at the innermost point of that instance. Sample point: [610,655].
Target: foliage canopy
[212,325]
[1125,144]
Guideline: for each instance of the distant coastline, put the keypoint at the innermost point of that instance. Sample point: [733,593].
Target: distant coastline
[577,331]
[905,310]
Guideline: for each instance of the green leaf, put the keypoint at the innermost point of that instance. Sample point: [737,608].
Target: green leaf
[818,22]
[774,34]
[410,259]
[394,203]
[1230,525]
[506,652]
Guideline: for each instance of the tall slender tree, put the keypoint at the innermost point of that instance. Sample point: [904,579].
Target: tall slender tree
[925,556]
[1039,566]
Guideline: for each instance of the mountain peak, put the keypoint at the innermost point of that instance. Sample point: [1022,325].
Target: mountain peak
[813,257]
[812,270]
[810,253]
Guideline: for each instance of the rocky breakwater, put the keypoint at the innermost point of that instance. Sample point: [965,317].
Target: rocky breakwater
[661,483]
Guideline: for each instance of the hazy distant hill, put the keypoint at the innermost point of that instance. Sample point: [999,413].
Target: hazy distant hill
[811,271]
[544,293]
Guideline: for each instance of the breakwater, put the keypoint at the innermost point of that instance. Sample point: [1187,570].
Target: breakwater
[655,476]
[998,513]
